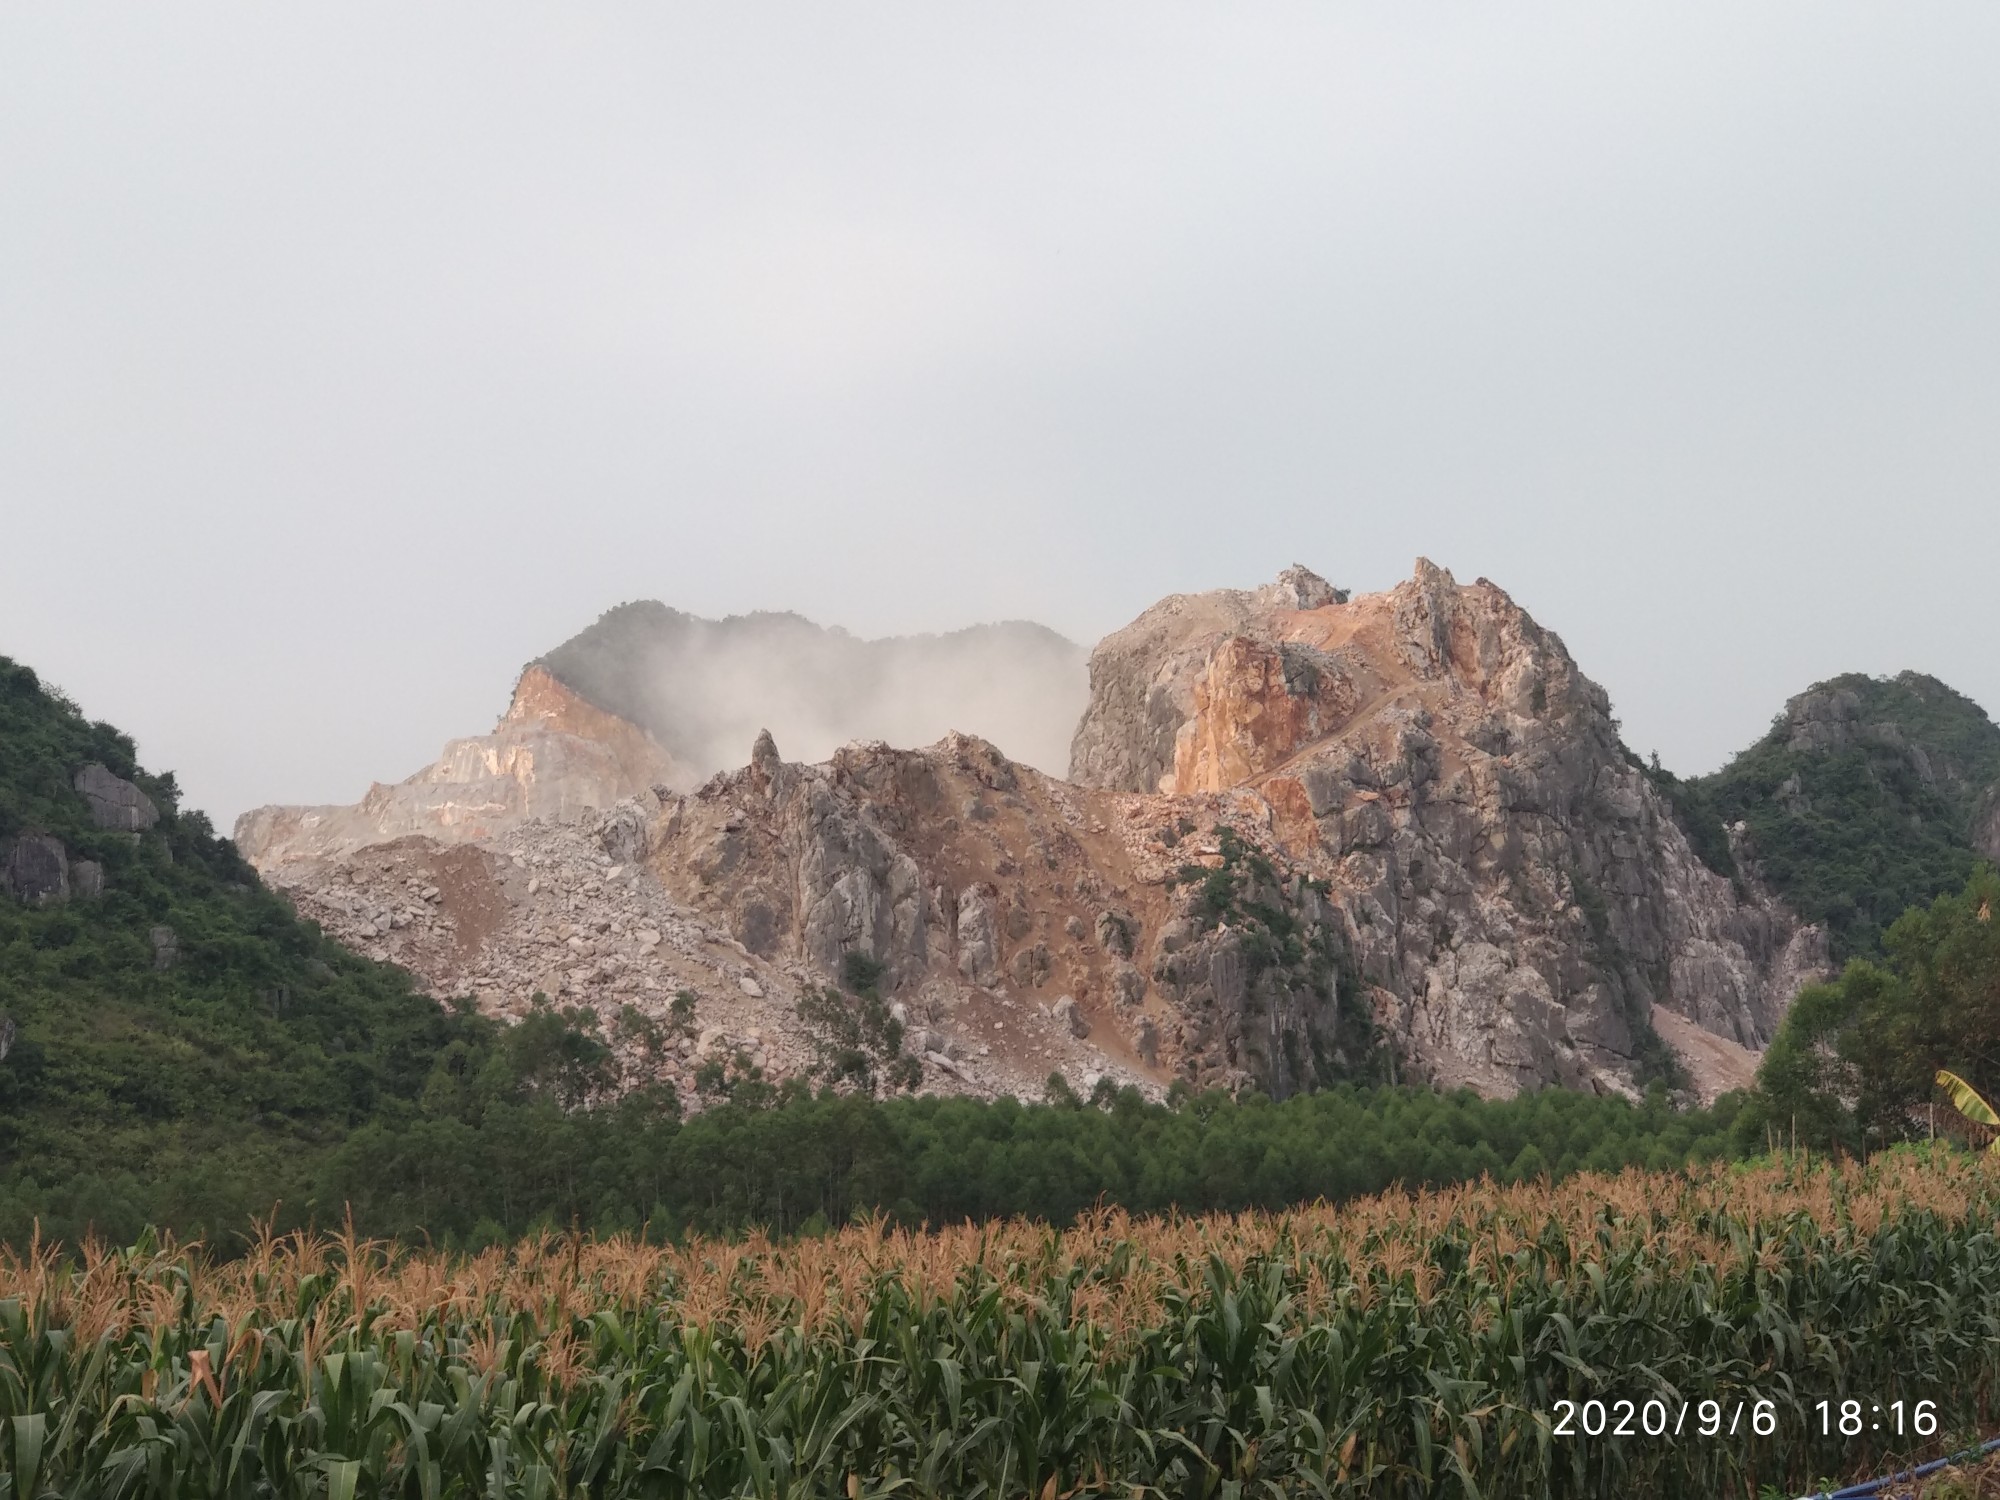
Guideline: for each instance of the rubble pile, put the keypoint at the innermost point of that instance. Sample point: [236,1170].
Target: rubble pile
[548,910]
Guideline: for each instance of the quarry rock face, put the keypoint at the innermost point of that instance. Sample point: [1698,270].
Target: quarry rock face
[552,755]
[1510,881]
[1305,838]
[1017,913]
[1142,679]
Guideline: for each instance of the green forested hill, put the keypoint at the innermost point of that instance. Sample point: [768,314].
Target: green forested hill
[1866,798]
[196,1070]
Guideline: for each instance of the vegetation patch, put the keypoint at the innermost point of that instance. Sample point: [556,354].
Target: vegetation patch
[1273,915]
[1855,833]
[1399,1346]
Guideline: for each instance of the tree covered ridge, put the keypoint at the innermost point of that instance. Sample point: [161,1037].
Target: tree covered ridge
[1860,802]
[262,1038]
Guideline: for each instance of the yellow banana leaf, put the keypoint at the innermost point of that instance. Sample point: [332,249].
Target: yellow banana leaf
[1966,1099]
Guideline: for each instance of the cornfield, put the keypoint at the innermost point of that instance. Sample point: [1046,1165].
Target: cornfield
[1397,1346]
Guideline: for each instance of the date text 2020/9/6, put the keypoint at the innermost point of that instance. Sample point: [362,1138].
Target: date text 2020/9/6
[1657,1417]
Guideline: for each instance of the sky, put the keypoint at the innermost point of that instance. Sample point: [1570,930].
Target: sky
[352,355]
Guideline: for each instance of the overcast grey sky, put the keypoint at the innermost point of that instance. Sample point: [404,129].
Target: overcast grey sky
[352,354]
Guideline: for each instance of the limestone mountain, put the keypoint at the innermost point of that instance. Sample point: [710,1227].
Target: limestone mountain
[1520,899]
[1306,837]
[1866,797]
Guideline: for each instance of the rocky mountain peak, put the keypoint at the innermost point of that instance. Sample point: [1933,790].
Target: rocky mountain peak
[1867,796]
[1298,587]
[1206,690]
[553,754]
[1515,887]
[1943,737]
[1305,834]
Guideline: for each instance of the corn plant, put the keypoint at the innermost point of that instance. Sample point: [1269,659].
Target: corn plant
[1398,1346]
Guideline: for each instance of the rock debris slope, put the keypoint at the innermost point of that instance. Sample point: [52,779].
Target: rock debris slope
[1305,838]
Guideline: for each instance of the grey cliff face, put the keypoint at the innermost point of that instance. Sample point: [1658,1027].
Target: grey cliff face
[115,802]
[808,868]
[1251,1010]
[34,869]
[1512,887]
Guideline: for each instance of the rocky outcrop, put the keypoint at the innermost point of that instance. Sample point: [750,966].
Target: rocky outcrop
[1512,886]
[1023,916]
[38,869]
[1142,678]
[1308,837]
[1949,746]
[34,870]
[1985,835]
[546,909]
[553,755]
[1259,975]
[114,802]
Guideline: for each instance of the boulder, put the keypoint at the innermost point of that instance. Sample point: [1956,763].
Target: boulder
[1116,932]
[1068,1012]
[1146,1042]
[1031,966]
[34,868]
[623,832]
[1128,986]
[166,947]
[114,801]
[978,935]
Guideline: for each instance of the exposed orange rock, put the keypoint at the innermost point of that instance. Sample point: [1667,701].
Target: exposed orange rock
[1254,710]
[552,755]
[542,700]
[1507,874]
[1292,819]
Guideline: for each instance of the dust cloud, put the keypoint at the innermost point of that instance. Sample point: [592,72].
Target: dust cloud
[703,688]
